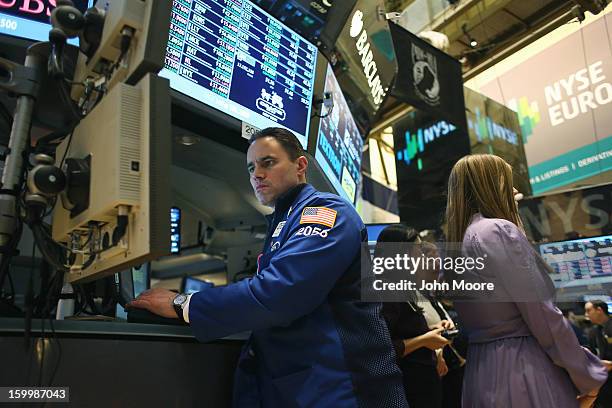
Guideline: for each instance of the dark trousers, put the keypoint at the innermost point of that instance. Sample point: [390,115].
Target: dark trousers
[422,385]
[452,385]
[604,399]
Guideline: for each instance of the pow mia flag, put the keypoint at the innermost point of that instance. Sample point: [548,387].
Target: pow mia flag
[425,75]
[428,79]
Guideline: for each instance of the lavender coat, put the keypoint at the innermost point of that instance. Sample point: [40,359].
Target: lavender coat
[521,354]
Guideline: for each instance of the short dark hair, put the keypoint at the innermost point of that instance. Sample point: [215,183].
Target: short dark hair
[287,140]
[601,305]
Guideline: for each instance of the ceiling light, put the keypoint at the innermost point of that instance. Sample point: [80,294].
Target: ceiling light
[473,43]
[187,139]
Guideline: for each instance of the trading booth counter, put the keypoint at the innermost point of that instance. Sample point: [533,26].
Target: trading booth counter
[120,364]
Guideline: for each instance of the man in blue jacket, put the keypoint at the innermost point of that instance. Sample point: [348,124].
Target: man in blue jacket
[313,343]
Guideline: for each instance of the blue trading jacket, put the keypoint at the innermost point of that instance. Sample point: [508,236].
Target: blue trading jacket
[313,344]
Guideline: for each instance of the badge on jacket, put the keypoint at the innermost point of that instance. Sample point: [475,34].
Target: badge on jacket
[278,229]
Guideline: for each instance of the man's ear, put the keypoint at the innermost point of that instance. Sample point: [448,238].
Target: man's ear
[302,163]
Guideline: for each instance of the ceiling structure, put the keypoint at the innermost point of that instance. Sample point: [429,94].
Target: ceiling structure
[482,32]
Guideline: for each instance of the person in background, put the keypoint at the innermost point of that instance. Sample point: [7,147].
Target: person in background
[450,363]
[414,342]
[313,342]
[600,341]
[571,318]
[521,354]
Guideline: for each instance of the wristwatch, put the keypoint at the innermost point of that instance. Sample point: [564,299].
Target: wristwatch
[179,303]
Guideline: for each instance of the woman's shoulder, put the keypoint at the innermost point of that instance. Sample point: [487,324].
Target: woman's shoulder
[489,228]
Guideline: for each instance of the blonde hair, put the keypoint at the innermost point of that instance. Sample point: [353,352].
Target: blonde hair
[480,183]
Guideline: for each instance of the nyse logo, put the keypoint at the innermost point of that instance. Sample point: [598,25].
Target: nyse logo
[364,48]
[528,113]
[417,142]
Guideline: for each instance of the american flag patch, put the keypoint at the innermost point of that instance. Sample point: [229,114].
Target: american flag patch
[318,215]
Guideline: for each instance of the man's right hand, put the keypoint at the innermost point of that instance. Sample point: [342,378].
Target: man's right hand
[607,364]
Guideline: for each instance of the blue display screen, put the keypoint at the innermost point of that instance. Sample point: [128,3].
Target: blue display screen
[235,57]
[193,285]
[175,230]
[30,19]
[339,144]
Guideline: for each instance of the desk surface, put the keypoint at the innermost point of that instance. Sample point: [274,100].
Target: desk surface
[104,328]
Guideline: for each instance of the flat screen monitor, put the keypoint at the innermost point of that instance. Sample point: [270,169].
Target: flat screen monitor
[339,143]
[240,60]
[192,285]
[579,262]
[175,230]
[131,283]
[30,19]
[374,231]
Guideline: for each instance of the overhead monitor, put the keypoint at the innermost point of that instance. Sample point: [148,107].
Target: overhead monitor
[240,60]
[495,129]
[426,149]
[175,230]
[579,262]
[30,19]
[339,143]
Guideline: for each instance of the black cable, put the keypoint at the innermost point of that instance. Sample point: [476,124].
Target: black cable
[11,284]
[52,253]
[10,249]
[66,151]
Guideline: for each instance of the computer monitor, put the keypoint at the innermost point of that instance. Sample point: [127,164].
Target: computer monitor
[339,142]
[118,161]
[240,60]
[131,283]
[30,19]
[374,231]
[191,285]
[579,262]
[175,230]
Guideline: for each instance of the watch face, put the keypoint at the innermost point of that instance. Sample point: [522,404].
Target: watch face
[180,299]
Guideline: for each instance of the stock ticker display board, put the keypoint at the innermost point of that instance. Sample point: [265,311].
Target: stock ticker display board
[339,143]
[232,55]
[579,262]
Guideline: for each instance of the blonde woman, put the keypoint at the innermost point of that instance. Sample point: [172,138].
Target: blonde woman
[521,354]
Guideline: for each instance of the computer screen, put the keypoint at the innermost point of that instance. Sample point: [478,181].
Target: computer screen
[579,262]
[131,283]
[30,19]
[240,60]
[192,285]
[175,230]
[374,231]
[306,17]
[339,143]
